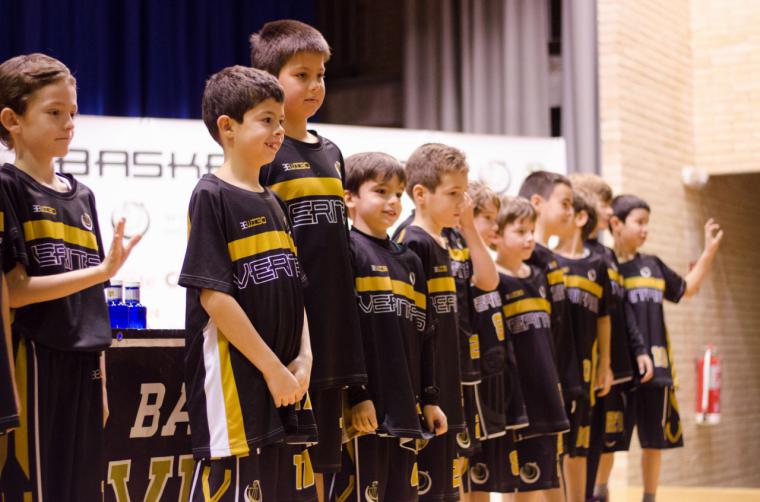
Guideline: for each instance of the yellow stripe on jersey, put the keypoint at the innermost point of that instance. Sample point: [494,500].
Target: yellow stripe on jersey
[46,229]
[22,385]
[441,285]
[615,275]
[385,283]
[527,305]
[555,277]
[2,221]
[306,187]
[459,254]
[235,426]
[260,243]
[644,282]
[594,362]
[577,281]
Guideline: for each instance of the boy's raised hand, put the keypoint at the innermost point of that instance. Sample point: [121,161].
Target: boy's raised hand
[435,419]
[713,236]
[283,386]
[118,253]
[364,417]
[467,216]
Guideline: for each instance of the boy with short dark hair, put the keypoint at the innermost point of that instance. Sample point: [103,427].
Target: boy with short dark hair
[437,182]
[588,291]
[648,281]
[398,342]
[248,356]
[529,316]
[307,174]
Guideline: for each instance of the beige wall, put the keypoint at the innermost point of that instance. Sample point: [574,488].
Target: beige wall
[652,99]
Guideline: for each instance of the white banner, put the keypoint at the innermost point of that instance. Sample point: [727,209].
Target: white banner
[147,168]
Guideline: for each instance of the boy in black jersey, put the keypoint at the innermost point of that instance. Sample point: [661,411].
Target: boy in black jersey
[588,291]
[9,401]
[648,281]
[501,408]
[529,315]
[436,182]
[307,174]
[247,350]
[55,267]
[613,418]
[398,342]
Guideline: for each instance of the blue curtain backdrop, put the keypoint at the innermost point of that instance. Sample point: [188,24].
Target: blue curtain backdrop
[141,57]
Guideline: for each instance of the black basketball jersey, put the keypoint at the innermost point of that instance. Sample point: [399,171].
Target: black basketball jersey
[527,314]
[587,287]
[399,349]
[240,244]
[562,329]
[461,269]
[8,412]
[51,232]
[442,298]
[500,388]
[308,177]
[625,343]
[648,281]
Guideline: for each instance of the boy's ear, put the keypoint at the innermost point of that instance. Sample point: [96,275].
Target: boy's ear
[615,223]
[348,197]
[536,200]
[9,119]
[418,193]
[581,217]
[224,124]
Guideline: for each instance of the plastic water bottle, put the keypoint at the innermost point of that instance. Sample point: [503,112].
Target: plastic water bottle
[117,309]
[136,311]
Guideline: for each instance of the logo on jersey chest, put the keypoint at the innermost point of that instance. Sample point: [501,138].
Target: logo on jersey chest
[38,208]
[440,269]
[337,168]
[295,166]
[591,274]
[379,268]
[516,294]
[253,492]
[86,221]
[253,222]
[645,272]
[542,291]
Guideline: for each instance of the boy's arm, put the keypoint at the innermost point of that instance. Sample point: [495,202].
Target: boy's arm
[6,313]
[484,273]
[238,329]
[603,370]
[301,365]
[713,236]
[25,289]
[637,345]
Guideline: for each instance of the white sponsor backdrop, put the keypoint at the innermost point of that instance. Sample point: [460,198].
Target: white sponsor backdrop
[153,164]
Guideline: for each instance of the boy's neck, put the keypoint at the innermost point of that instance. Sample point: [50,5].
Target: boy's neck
[624,252]
[296,128]
[425,222]
[541,234]
[362,226]
[512,265]
[240,175]
[571,247]
[41,169]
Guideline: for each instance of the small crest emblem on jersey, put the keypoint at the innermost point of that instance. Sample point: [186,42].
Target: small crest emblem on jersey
[645,272]
[412,278]
[87,221]
[253,492]
[479,473]
[530,473]
[591,274]
[371,493]
[337,168]
[463,439]
[425,483]
[542,291]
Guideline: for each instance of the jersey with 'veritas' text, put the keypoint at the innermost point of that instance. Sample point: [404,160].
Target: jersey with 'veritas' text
[49,233]
[240,244]
[648,282]
[308,177]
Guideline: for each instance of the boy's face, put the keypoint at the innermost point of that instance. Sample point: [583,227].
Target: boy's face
[47,126]
[517,239]
[445,204]
[557,211]
[485,223]
[258,138]
[633,231]
[603,215]
[377,206]
[303,79]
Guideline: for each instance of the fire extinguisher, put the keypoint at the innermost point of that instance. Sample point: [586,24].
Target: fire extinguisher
[708,387]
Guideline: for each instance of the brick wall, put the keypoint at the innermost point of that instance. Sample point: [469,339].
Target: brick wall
[653,116]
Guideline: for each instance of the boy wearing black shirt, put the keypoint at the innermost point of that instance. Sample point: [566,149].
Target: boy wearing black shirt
[528,317]
[648,282]
[307,174]
[398,340]
[9,412]
[247,354]
[588,291]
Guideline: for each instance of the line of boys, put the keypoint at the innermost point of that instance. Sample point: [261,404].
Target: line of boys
[455,360]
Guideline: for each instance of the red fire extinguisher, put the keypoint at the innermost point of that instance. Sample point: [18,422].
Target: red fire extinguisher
[708,387]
